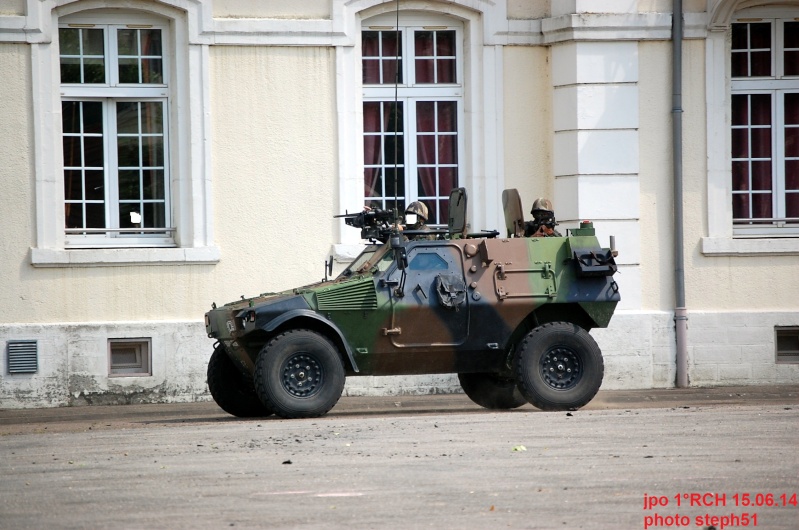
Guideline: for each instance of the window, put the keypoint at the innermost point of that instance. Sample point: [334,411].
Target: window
[428,261]
[765,127]
[115,108]
[115,60]
[412,149]
[129,357]
[787,340]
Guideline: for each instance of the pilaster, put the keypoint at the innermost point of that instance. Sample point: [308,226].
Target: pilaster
[596,155]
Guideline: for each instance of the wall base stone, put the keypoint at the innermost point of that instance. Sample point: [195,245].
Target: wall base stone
[638,350]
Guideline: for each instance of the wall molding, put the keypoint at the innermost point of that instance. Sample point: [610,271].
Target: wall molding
[340,31]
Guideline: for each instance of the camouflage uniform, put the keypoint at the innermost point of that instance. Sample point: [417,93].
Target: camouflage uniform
[420,210]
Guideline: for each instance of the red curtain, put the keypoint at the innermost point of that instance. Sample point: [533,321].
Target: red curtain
[751,139]
[372,153]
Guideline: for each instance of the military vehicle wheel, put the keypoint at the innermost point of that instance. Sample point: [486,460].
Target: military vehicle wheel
[232,391]
[299,374]
[491,391]
[559,367]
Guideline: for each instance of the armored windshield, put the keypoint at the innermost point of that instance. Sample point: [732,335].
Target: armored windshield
[372,255]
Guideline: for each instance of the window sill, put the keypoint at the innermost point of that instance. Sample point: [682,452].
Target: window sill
[117,257]
[725,246]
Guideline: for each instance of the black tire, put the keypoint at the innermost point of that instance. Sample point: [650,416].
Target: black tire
[232,390]
[559,367]
[299,374]
[491,391]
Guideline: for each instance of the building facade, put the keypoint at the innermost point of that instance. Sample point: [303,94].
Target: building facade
[159,156]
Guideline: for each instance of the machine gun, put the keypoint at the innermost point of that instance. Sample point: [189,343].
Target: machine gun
[375,224]
[541,218]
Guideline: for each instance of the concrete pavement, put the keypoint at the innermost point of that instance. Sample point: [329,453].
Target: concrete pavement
[62,419]
[695,458]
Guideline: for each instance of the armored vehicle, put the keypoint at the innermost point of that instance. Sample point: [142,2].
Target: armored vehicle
[510,315]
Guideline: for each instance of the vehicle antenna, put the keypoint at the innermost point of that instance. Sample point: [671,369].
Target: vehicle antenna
[396,114]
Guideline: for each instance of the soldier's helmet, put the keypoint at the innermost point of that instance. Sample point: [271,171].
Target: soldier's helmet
[418,208]
[541,204]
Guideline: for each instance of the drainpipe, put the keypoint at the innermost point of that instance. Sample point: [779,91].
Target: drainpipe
[680,312]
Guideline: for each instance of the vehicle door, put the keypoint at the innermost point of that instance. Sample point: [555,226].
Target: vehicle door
[430,306]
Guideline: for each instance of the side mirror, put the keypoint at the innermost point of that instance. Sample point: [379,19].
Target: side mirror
[328,268]
[402,258]
[400,254]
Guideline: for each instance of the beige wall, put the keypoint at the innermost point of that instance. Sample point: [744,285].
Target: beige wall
[755,283]
[713,283]
[528,122]
[12,7]
[655,177]
[274,144]
[32,295]
[307,9]
[17,209]
[316,9]
[524,9]
[16,147]
[274,141]
[666,6]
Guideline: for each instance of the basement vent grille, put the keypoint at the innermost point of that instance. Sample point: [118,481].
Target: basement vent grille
[787,340]
[22,356]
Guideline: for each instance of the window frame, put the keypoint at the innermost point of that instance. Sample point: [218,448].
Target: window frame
[485,35]
[190,137]
[110,94]
[777,85]
[788,334]
[410,92]
[721,239]
[143,367]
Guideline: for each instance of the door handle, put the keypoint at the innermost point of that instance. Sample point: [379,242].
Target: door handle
[421,290]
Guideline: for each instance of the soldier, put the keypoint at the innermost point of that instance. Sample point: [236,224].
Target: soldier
[416,219]
[543,223]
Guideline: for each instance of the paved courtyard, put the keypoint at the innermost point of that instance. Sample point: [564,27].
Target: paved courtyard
[723,458]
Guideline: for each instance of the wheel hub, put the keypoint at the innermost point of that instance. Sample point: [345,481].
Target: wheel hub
[560,368]
[302,375]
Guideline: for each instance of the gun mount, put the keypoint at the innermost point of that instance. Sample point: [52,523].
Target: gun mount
[375,224]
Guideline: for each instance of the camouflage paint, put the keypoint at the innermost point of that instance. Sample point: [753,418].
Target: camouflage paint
[511,285]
